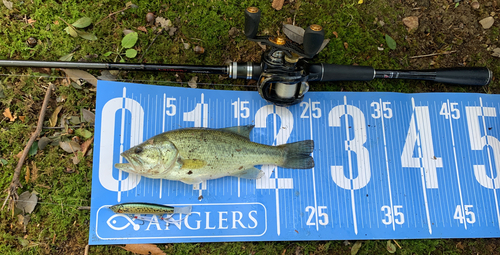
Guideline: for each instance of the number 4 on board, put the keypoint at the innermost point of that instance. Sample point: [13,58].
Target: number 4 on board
[420,135]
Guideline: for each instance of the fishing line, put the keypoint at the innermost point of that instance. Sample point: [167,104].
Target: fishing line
[132,80]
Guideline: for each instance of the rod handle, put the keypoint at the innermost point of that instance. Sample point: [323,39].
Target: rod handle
[313,38]
[330,72]
[478,76]
[252,19]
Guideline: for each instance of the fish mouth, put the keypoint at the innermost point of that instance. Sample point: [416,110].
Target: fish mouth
[136,164]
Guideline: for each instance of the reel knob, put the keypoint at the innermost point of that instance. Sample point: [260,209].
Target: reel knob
[313,39]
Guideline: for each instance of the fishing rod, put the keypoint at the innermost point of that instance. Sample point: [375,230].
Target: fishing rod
[285,70]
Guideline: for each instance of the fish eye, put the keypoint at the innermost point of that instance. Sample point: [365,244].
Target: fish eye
[138,150]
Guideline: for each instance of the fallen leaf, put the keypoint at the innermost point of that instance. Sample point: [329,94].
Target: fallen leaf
[192,82]
[8,4]
[460,245]
[355,247]
[411,22]
[391,248]
[88,116]
[75,75]
[233,31]
[70,146]
[278,4]
[42,143]
[172,31]
[83,133]
[346,45]
[31,21]
[53,118]
[390,42]
[186,46]
[85,145]
[76,160]
[107,76]
[34,172]
[143,249]
[164,23]
[487,22]
[33,149]
[56,22]
[27,202]
[295,33]
[8,114]
[22,118]
[143,29]
[335,34]
[496,52]
[27,176]
[75,120]
[323,45]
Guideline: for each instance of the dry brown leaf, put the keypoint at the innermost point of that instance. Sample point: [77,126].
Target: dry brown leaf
[143,29]
[19,154]
[88,116]
[346,45]
[22,118]
[75,75]
[143,249]
[31,21]
[278,4]
[34,172]
[56,22]
[8,114]
[85,145]
[70,146]
[335,34]
[53,118]
[27,177]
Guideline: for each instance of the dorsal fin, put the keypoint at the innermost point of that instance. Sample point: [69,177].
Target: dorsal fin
[240,130]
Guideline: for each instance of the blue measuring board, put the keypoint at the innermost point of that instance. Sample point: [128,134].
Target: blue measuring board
[387,166]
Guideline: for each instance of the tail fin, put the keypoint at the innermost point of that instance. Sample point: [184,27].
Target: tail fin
[297,155]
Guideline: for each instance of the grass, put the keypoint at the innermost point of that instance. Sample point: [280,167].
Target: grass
[56,225]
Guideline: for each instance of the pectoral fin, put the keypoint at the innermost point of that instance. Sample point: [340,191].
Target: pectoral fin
[193,163]
[250,173]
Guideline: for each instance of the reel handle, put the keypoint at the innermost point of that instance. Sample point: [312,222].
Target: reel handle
[252,19]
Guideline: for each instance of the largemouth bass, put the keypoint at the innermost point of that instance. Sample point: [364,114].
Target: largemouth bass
[193,155]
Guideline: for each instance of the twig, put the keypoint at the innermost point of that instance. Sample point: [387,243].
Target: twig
[434,54]
[86,250]
[154,39]
[397,244]
[83,208]
[12,190]
[124,9]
